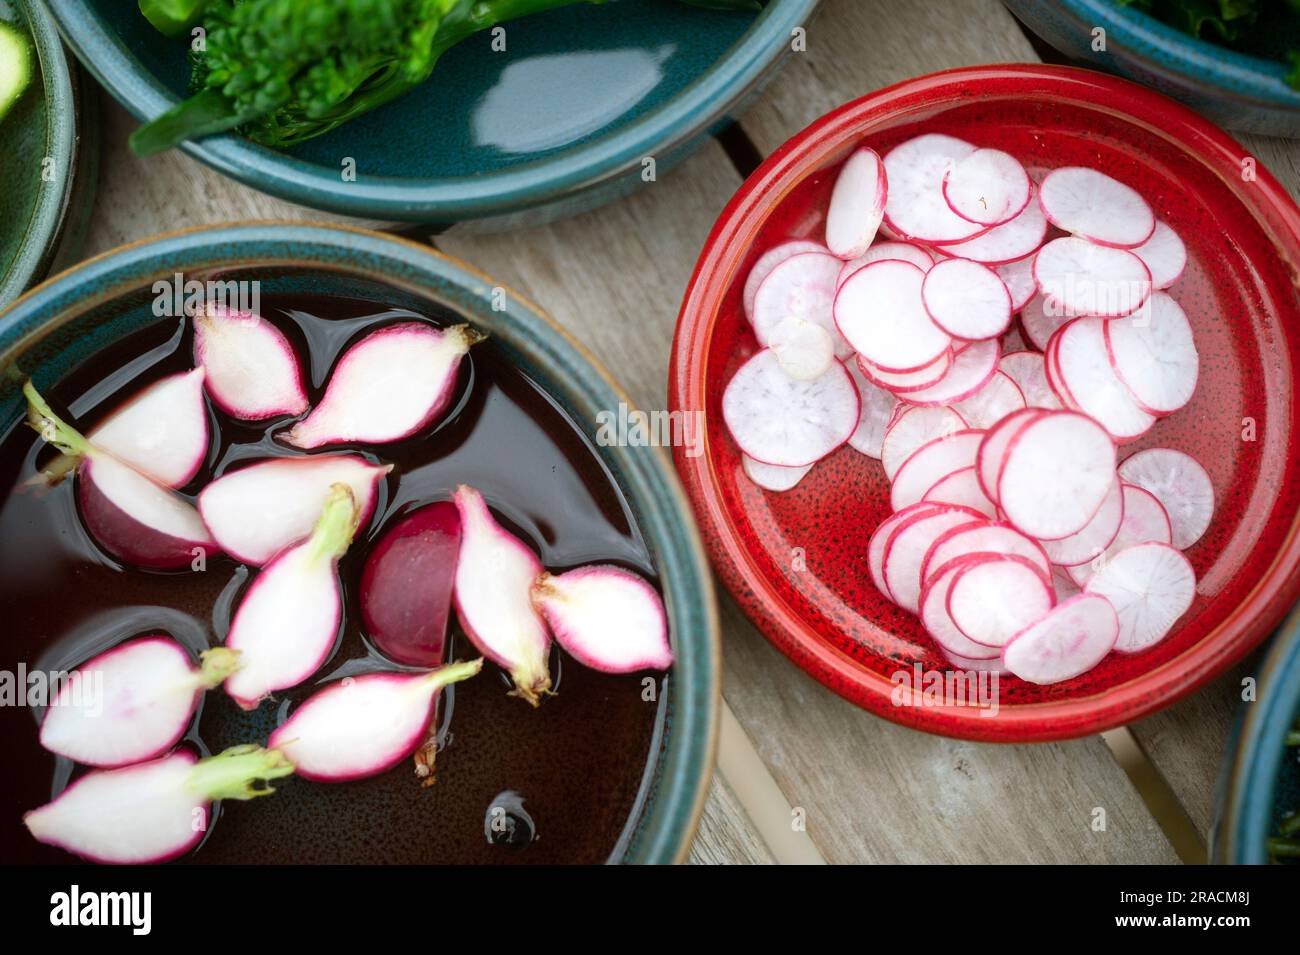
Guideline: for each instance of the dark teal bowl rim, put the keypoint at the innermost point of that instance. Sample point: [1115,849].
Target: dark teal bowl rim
[1199,61]
[681,773]
[1246,812]
[687,115]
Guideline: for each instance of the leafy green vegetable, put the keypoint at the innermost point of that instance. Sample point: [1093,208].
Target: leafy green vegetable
[174,17]
[15,66]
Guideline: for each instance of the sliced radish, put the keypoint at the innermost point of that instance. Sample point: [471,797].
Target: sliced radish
[907,546]
[903,383]
[780,420]
[916,208]
[991,601]
[406,585]
[162,431]
[1164,255]
[1094,205]
[1070,640]
[1082,278]
[992,453]
[1041,319]
[131,703]
[913,428]
[253,373]
[1063,585]
[1057,471]
[971,369]
[1027,370]
[258,510]
[905,251]
[1089,381]
[151,812]
[803,349]
[288,621]
[802,286]
[361,726]
[876,410]
[967,300]
[984,537]
[493,582]
[880,539]
[773,477]
[1099,533]
[934,610]
[961,487]
[606,618]
[997,398]
[931,462]
[1150,586]
[1182,487]
[880,313]
[766,263]
[393,383]
[1154,355]
[857,204]
[1018,277]
[1006,243]
[1145,521]
[988,187]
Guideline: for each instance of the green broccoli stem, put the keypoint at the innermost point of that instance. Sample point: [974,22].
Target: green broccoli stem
[174,17]
[203,114]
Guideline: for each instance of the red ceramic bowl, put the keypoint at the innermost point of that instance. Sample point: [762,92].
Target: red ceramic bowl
[797,562]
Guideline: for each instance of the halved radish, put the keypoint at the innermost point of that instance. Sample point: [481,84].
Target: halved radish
[766,263]
[997,398]
[992,453]
[961,487]
[1164,254]
[931,462]
[876,410]
[1041,319]
[802,286]
[1070,640]
[606,617]
[1150,586]
[252,370]
[967,300]
[1180,484]
[1096,206]
[161,431]
[1006,243]
[880,313]
[934,610]
[902,383]
[390,385]
[773,477]
[971,369]
[1018,277]
[880,539]
[905,251]
[992,601]
[1082,278]
[915,208]
[1099,533]
[1145,521]
[907,546]
[777,419]
[857,204]
[912,428]
[1027,370]
[1089,381]
[984,537]
[1154,355]
[803,349]
[1056,473]
[256,511]
[988,187]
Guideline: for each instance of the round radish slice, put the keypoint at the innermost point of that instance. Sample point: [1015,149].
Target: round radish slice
[972,367]
[1145,522]
[1028,370]
[777,419]
[773,477]
[1041,319]
[875,413]
[1009,242]
[880,539]
[999,397]
[1181,486]
[1093,540]
[803,349]
[984,537]
[767,262]
[1082,278]
[857,204]
[904,251]
[992,601]
[803,286]
[1018,277]
[905,382]
[1092,204]
[1070,640]
[1154,355]
[1057,472]
[1065,587]
[992,453]
[934,611]
[916,208]
[1089,381]
[907,547]
[880,313]
[988,187]
[932,462]
[967,300]
[1150,586]
[913,428]
[961,487]
[1164,255]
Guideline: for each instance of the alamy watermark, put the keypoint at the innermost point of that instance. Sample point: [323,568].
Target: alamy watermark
[83,689]
[918,686]
[629,428]
[178,297]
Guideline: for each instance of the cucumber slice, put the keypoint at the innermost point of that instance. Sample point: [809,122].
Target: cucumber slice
[15,66]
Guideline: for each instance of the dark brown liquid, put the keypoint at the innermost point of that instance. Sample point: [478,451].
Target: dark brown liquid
[577,762]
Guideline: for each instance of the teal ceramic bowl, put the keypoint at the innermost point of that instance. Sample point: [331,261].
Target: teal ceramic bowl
[1260,781]
[559,122]
[74,315]
[48,162]
[1238,91]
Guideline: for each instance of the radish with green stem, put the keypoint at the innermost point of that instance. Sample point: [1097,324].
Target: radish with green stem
[131,703]
[162,431]
[154,811]
[288,621]
[253,372]
[607,618]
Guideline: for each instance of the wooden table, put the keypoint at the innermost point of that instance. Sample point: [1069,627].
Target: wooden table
[791,751]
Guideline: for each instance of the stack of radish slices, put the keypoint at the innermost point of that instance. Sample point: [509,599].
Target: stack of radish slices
[1016,537]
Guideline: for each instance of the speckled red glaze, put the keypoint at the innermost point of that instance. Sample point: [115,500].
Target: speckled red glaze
[1243,240]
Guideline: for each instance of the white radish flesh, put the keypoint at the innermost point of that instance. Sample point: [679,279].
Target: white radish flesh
[904,251]
[857,204]
[930,463]
[1145,521]
[1096,206]
[880,312]
[1180,484]
[1088,382]
[606,618]
[997,398]
[903,383]
[971,369]
[1154,355]
[773,477]
[1079,277]
[961,487]
[766,263]
[802,286]
[913,428]
[1099,533]
[1150,586]
[1018,277]
[1070,640]
[992,601]
[988,187]
[1057,471]
[1028,371]
[934,611]
[1041,319]
[907,546]
[876,410]
[967,300]
[162,431]
[1006,243]
[916,208]
[1164,255]
[984,537]
[252,370]
[803,349]
[992,453]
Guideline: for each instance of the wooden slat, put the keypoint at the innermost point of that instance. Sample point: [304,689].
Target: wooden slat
[725,838]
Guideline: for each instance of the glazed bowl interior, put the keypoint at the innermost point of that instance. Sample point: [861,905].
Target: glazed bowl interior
[797,561]
[61,325]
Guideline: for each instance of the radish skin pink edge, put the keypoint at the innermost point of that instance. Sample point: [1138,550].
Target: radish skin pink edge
[252,370]
[606,618]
